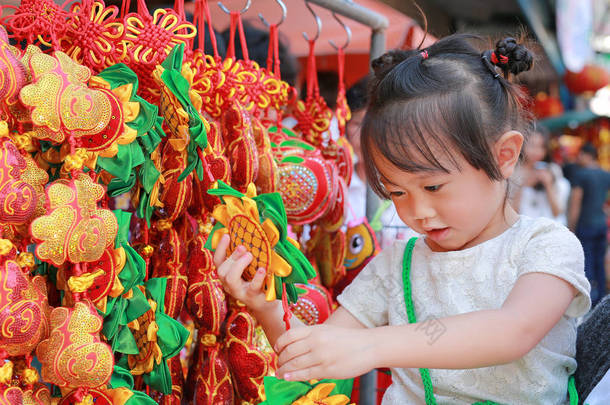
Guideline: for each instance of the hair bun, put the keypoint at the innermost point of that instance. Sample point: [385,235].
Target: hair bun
[383,64]
[520,59]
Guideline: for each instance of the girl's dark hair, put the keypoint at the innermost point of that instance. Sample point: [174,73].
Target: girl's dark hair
[445,98]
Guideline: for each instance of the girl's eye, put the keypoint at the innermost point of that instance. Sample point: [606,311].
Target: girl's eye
[396,193]
[433,188]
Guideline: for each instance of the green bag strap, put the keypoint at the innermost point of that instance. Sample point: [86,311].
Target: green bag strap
[424,372]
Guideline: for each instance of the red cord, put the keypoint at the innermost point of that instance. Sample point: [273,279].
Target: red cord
[287,312]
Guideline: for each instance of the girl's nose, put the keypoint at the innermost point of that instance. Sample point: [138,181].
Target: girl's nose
[421,210]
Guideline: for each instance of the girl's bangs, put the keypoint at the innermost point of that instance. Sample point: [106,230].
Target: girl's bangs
[411,137]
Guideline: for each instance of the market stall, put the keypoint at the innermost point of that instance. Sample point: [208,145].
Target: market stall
[127,154]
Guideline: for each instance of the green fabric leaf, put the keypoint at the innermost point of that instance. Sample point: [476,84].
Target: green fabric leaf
[297,144]
[179,87]
[208,242]
[125,342]
[282,392]
[171,337]
[117,186]
[118,75]
[121,377]
[293,159]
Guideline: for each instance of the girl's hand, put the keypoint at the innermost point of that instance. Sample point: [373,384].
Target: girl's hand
[230,270]
[324,351]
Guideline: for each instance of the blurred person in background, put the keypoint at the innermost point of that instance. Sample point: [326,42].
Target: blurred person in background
[542,191]
[587,218]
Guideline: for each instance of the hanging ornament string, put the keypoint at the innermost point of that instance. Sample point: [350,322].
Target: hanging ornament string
[313,90]
[273,64]
[342,112]
[179,9]
[204,9]
[125,6]
[273,55]
[237,23]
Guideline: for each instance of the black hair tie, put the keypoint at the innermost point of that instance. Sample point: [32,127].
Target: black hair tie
[486,58]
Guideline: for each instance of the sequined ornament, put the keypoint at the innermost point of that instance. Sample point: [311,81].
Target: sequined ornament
[104,273]
[24,318]
[37,394]
[209,380]
[13,75]
[259,224]
[94,35]
[38,179]
[169,261]
[307,186]
[18,199]
[63,105]
[11,396]
[96,397]
[74,356]
[314,306]
[74,229]
[241,147]
[248,364]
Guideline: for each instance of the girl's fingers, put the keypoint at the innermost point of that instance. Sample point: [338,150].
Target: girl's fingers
[293,351]
[304,375]
[233,275]
[229,263]
[220,253]
[300,369]
[290,337]
[256,285]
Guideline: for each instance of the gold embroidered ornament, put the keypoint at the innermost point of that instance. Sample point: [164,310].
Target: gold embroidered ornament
[259,224]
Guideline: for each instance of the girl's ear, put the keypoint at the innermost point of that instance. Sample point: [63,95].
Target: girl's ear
[507,149]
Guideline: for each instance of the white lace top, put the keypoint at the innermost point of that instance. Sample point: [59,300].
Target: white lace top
[477,278]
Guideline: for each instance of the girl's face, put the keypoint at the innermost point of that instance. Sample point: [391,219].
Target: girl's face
[454,210]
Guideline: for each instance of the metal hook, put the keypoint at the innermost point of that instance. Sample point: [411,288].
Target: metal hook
[283,6]
[318,23]
[243,10]
[348,31]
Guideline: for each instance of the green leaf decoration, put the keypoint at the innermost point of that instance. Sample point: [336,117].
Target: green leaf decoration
[179,86]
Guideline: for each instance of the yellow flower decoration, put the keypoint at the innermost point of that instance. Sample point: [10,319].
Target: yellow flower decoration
[241,219]
[320,395]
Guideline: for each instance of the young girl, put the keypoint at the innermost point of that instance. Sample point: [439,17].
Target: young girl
[482,307]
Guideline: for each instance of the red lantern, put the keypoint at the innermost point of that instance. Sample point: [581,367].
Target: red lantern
[591,78]
[545,106]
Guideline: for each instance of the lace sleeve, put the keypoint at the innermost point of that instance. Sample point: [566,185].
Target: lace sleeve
[553,249]
[366,298]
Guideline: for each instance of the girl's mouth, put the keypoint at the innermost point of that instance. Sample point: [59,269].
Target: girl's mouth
[437,234]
